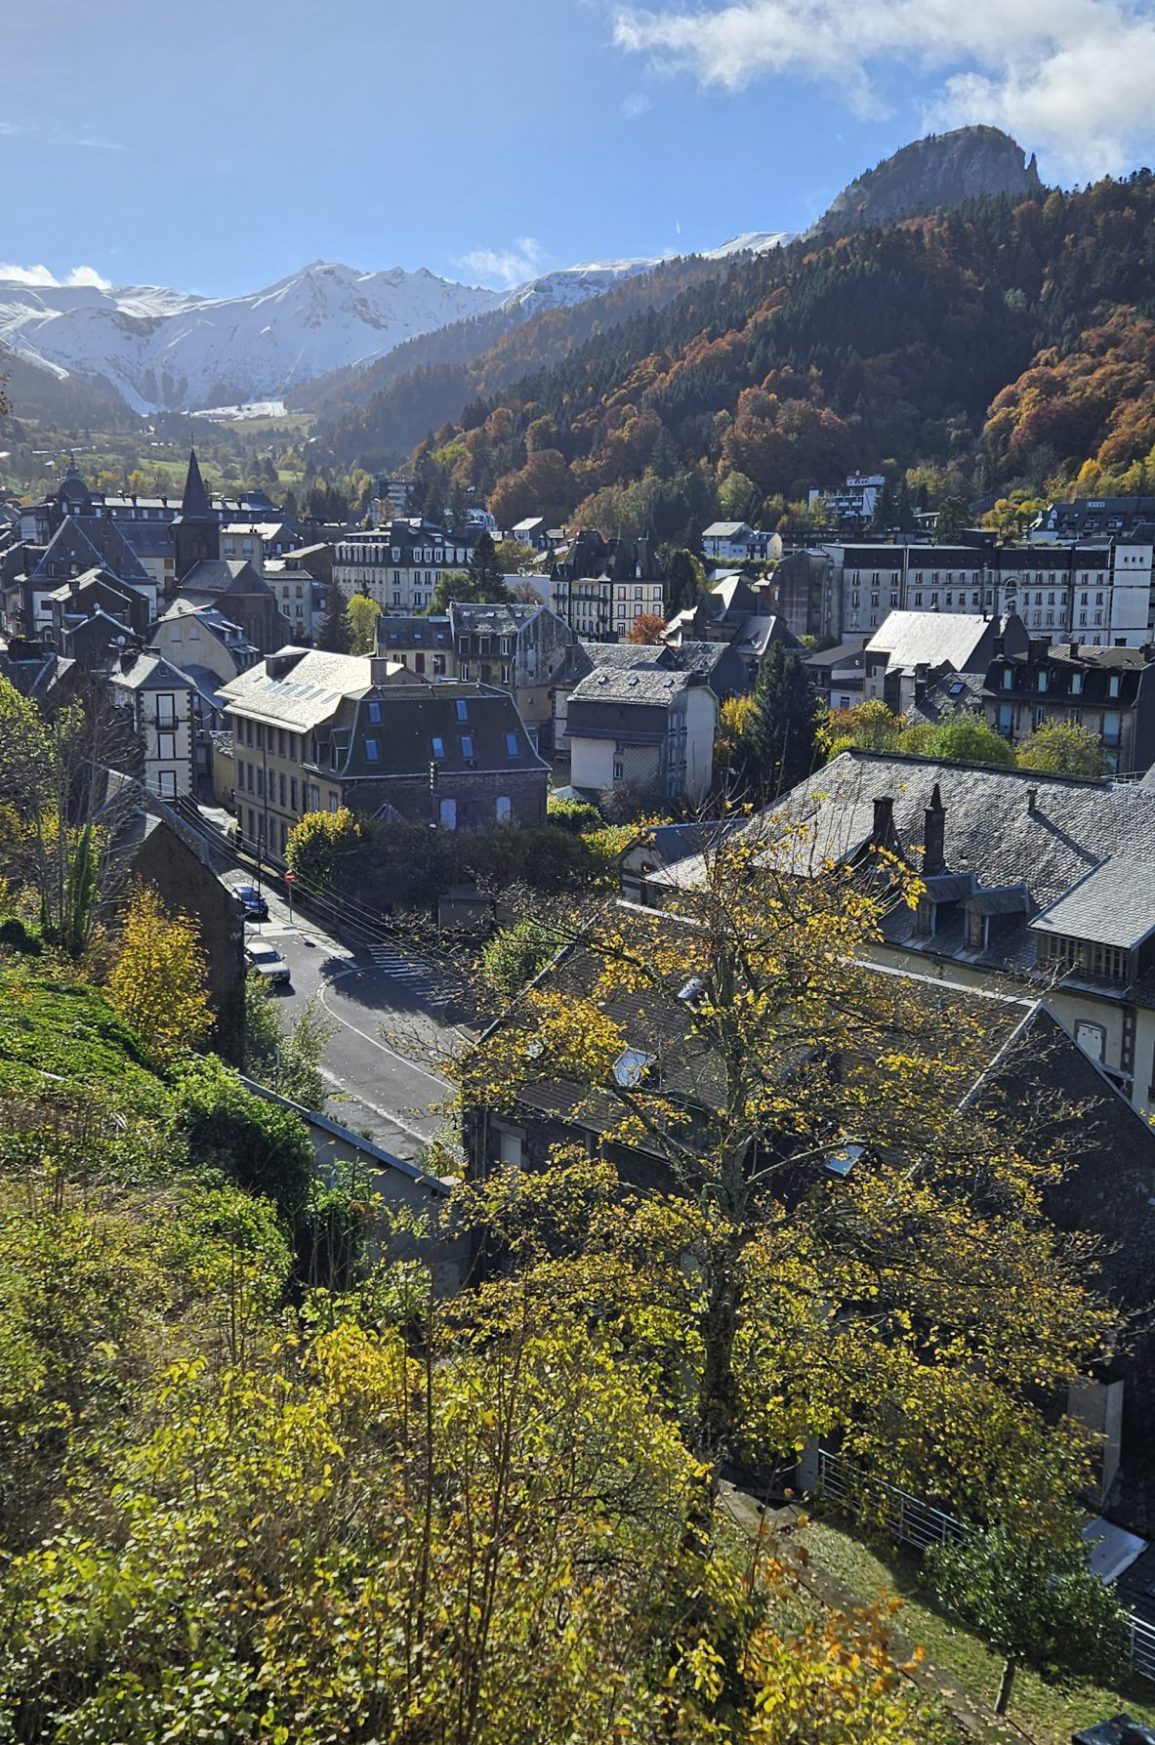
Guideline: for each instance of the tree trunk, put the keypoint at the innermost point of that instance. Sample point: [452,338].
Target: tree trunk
[1006,1685]
[716,1401]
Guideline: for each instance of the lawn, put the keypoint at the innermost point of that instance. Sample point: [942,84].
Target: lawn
[1045,1715]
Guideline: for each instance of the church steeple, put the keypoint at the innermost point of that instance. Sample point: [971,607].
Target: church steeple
[195,504]
[196,534]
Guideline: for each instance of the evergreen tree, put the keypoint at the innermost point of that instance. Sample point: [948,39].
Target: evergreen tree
[336,634]
[904,506]
[776,747]
[953,516]
[485,572]
[681,582]
[885,511]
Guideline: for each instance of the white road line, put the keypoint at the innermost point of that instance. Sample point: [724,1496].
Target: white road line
[383,1046]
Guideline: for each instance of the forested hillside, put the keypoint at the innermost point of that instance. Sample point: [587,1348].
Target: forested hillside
[1007,343]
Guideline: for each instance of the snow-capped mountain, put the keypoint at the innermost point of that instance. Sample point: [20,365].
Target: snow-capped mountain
[165,350]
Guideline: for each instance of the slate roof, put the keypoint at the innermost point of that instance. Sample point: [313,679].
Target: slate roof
[992,829]
[491,737]
[218,575]
[497,618]
[846,654]
[195,504]
[415,631]
[307,694]
[644,685]
[932,639]
[725,529]
[150,672]
[1113,905]
[94,543]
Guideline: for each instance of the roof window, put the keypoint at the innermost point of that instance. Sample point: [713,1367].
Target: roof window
[371,752]
[462,708]
[631,1067]
[512,745]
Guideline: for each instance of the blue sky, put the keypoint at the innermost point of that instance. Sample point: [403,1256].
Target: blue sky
[218,146]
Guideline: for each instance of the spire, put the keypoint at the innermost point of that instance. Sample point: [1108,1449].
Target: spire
[72,486]
[195,505]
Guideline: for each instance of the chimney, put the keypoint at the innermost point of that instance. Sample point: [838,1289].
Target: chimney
[883,833]
[934,831]
[379,669]
[1032,800]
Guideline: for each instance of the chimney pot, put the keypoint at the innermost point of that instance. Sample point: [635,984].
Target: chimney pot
[1032,799]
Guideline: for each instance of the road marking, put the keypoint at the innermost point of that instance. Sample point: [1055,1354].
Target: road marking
[422,977]
[401,1059]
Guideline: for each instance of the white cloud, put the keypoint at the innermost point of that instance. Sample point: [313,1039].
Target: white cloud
[637,103]
[1072,77]
[42,276]
[507,266]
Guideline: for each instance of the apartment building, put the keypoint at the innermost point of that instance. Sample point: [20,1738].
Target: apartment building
[1099,593]
[398,563]
[314,731]
[600,587]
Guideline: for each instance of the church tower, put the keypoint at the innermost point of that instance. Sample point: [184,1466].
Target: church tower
[196,533]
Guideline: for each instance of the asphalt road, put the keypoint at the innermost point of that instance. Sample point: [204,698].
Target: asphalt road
[391,1039]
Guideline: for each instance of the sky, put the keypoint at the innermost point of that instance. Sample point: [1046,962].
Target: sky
[220,145]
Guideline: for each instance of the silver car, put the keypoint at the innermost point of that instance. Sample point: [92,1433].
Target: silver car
[267,961]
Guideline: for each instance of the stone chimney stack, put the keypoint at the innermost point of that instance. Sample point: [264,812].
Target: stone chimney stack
[933,837]
[883,833]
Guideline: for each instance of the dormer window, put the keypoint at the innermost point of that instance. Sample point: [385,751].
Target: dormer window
[1113,685]
[631,1067]
[1076,684]
[1008,677]
[1041,681]
[925,918]
[976,930]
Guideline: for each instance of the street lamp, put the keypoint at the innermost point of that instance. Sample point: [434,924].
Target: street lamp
[290,881]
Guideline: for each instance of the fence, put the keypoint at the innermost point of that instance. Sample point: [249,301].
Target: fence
[912,1522]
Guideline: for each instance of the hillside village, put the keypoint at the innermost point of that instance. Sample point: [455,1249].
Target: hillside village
[577,1044]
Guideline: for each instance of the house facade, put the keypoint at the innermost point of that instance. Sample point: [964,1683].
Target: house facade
[600,587]
[398,563]
[1095,592]
[315,732]
[158,700]
[646,730]
[1108,691]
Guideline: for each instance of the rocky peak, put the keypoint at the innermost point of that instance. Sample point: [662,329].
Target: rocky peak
[943,170]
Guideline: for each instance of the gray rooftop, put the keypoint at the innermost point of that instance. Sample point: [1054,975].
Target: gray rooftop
[1113,905]
[933,639]
[647,685]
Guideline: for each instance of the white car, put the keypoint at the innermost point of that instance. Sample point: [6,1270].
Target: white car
[267,961]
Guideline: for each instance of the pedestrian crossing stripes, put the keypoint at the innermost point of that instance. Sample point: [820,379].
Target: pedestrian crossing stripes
[424,978]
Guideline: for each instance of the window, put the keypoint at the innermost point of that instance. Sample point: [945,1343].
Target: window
[438,746]
[1091,1038]
[166,745]
[510,1144]
[194,631]
[166,709]
[292,793]
[1113,685]
[631,1067]
[924,918]
[1041,681]
[619,770]
[462,709]
[375,714]
[281,786]
[448,814]
[504,809]
[371,751]
[466,745]
[512,745]
[976,930]
[1008,677]
[332,802]
[166,784]
[175,633]
[1077,678]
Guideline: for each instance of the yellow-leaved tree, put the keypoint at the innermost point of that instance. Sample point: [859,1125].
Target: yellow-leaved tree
[836,1222]
[158,980]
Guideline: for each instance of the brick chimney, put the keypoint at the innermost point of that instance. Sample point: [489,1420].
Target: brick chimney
[933,835]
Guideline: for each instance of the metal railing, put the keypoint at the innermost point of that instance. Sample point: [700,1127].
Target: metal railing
[918,1524]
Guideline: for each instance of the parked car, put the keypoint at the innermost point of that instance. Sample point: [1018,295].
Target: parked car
[252,902]
[267,961]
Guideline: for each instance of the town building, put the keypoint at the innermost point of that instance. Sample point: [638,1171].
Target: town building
[642,729]
[838,674]
[852,506]
[1037,883]
[398,563]
[1108,691]
[520,647]
[158,702]
[1093,518]
[210,650]
[314,731]
[738,542]
[601,587]
[1097,593]
[911,650]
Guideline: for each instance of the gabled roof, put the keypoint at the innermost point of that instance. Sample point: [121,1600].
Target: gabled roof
[308,693]
[94,543]
[933,639]
[218,575]
[726,530]
[646,686]
[150,672]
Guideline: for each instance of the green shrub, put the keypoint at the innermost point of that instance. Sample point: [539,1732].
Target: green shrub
[260,1146]
[575,815]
